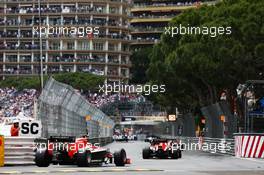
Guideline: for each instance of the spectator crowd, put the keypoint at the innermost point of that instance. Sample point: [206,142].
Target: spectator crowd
[15,103]
[100,100]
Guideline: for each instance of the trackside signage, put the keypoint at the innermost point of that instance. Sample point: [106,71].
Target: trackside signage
[30,128]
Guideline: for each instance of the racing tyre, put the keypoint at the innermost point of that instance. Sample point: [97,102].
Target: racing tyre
[146,153]
[84,159]
[42,158]
[120,158]
[176,154]
[180,154]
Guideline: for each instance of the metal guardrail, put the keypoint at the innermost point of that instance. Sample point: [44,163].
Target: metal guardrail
[223,146]
[229,150]
[20,150]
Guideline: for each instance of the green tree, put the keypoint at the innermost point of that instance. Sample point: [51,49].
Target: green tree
[140,63]
[78,80]
[195,68]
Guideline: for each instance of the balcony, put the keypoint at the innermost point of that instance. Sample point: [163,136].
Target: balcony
[145,41]
[25,59]
[162,8]
[146,29]
[58,11]
[112,2]
[150,19]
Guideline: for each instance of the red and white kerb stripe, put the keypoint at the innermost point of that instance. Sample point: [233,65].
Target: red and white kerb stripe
[249,146]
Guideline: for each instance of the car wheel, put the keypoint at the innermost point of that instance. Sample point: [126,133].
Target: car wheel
[120,158]
[84,159]
[146,153]
[42,158]
[175,154]
[180,154]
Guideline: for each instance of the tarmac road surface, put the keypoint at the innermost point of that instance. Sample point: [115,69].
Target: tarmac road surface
[191,163]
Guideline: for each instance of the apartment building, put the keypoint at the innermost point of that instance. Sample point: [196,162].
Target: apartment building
[68,35]
[149,17]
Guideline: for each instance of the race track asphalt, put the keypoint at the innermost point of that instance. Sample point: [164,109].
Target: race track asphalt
[191,163]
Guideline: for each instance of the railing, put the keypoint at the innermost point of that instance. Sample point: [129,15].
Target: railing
[158,5]
[19,150]
[21,1]
[216,145]
[225,146]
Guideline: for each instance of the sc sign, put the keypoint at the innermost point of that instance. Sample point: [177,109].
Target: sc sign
[30,129]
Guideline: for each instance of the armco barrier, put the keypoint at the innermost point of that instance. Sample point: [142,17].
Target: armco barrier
[215,145]
[20,150]
[223,146]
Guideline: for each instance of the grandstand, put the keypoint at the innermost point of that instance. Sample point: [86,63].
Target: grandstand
[15,103]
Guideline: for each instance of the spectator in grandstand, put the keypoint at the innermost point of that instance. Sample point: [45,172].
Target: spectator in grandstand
[14,102]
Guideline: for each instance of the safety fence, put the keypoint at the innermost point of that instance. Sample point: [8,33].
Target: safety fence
[220,122]
[21,150]
[63,111]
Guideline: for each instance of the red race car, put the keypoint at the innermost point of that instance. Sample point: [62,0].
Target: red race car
[69,151]
[162,148]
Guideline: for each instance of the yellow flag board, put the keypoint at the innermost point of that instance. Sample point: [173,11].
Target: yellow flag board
[1,150]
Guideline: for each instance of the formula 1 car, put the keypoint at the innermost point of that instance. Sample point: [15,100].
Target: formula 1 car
[70,151]
[120,138]
[126,138]
[150,138]
[162,148]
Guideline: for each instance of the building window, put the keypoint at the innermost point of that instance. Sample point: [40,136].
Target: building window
[84,45]
[98,46]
